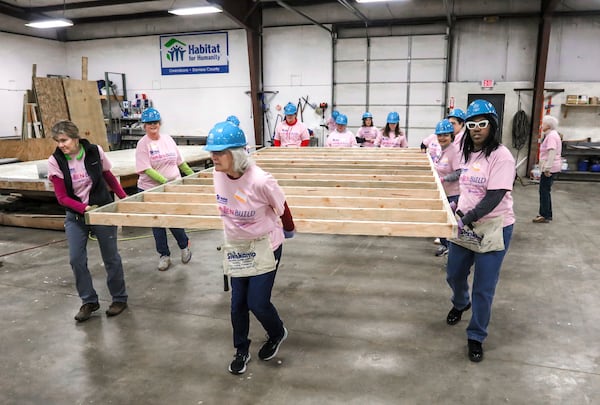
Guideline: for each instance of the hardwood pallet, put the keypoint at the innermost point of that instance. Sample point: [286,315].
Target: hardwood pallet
[355,191]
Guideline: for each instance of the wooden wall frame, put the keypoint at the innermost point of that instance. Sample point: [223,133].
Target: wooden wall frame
[351,191]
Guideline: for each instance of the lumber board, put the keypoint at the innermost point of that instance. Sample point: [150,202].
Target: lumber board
[85,110]
[340,199]
[51,101]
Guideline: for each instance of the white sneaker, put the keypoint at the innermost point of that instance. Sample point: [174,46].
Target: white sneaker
[437,241]
[186,254]
[163,263]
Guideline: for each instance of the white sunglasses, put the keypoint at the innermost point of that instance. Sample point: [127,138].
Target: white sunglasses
[481,124]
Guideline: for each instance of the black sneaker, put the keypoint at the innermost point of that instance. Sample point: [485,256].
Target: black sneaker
[238,365]
[271,346]
[86,311]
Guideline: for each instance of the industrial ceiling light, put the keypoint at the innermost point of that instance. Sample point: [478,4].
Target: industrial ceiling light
[58,23]
[196,10]
[374,1]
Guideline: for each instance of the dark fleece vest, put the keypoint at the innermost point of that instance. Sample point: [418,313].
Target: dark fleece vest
[99,194]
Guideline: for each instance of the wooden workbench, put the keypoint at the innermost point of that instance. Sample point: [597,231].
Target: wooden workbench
[29,177]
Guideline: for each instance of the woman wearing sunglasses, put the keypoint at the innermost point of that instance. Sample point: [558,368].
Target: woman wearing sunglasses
[488,172]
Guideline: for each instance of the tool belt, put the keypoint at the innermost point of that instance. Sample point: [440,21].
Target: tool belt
[486,236]
[248,258]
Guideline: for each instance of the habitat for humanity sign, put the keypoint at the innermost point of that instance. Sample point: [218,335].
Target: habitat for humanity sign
[192,54]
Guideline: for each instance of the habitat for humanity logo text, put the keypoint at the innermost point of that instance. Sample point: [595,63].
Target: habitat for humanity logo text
[196,52]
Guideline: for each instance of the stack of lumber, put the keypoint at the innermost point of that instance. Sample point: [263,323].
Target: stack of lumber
[351,191]
[54,99]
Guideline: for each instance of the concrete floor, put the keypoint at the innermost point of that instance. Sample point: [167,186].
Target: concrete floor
[366,317]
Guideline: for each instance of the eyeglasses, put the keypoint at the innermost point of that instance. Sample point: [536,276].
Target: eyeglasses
[481,124]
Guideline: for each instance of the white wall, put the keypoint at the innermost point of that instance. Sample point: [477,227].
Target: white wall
[188,104]
[18,54]
[297,68]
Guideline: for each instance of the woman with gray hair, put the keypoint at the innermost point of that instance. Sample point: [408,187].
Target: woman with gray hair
[550,164]
[254,211]
[82,180]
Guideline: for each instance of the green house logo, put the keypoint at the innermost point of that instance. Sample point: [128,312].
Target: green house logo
[175,50]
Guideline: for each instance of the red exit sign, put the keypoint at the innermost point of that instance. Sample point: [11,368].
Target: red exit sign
[487,84]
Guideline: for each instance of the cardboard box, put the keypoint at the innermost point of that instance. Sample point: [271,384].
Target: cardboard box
[572,99]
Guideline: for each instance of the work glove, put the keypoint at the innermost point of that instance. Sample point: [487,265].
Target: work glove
[453,206]
[289,234]
[461,226]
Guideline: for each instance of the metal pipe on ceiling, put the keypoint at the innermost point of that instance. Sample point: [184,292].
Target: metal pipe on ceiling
[294,10]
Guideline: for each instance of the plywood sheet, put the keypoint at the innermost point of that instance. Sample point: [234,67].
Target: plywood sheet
[51,101]
[333,191]
[85,110]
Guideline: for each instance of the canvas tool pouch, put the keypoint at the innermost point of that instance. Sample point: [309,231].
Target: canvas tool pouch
[486,236]
[248,258]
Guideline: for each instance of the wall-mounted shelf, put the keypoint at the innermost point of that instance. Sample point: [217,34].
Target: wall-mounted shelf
[566,107]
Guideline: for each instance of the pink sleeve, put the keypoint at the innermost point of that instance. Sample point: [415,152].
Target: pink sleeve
[106,164]
[53,169]
[114,184]
[554,142]
[60,190]
[142,158]
[403,142]
[502,170]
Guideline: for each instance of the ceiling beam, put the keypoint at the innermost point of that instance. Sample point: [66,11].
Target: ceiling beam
[248,16]
[300,13]
[543,43]
[81,5]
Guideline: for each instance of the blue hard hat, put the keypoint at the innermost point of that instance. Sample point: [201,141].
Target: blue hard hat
[367,115]
[335,114]
[290,109]
[480,107]
[457,113]
[234,120]
[341,119]
[225,135]
[393,118]
[444,127]
[150,115]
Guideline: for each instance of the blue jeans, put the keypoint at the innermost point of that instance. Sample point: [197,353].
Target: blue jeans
[485,278]
[160,238]
[452,198]
[254,294]
[77,235]
[545,199]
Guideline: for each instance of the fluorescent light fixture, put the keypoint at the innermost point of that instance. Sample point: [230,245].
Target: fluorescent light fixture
[373,1]
[195,10]
[50,23]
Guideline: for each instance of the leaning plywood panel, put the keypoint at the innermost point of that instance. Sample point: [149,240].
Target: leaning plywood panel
[85,110]
[51,101]
[334,191]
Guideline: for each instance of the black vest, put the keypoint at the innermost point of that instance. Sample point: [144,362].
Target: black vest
[99,194]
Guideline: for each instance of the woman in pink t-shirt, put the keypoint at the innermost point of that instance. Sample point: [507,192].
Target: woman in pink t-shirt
[457,118]
[391,136]
[291,132]
[550,165]
[446,161]
[341,137]
[157,161]
[254,211]
[82,180]
[367,134]
[486,181]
